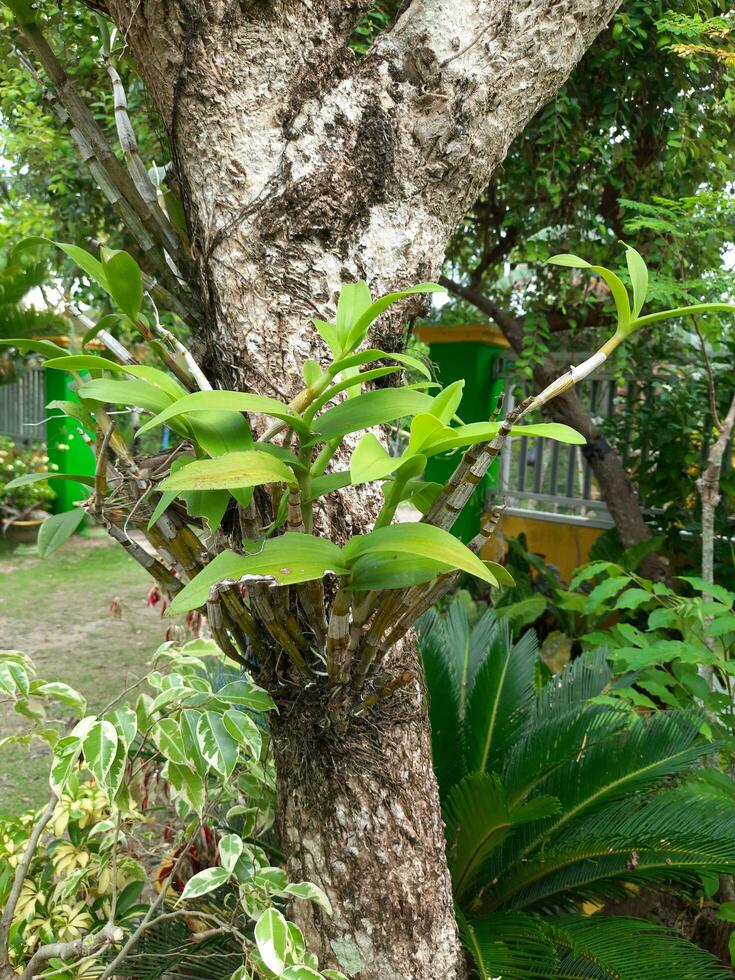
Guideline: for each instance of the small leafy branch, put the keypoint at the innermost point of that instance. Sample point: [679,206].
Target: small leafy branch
[301,609]
[69,889]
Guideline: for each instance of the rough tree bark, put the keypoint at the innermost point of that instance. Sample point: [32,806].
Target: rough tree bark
[302,167]
[606,464]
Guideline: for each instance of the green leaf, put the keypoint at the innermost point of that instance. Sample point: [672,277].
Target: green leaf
[229,472]
[444,406]
[373,311]
[125,282]
[91,362]
[74,410]
[422,540]
[354,300]
[271,937]
[394,570]
[370,409]
[216,744]
[230,849]
[26,478]
[290,558]
[638,276]
[375,354]
[617,288]
[426,428]
[86,262]
[57,529]
[218,433]
[328,333]
[225,401]
[721,625]
[45,347]
[188,785]
[349,384]
[204,882]
[134,394]
[246,694]
[301,972]
[168,739]
[370,461]
[632,598]
[99,747]
[244,730]
[105,323]
[309,893]
[62,692]
[605,590]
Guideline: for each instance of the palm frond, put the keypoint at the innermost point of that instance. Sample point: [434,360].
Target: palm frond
[478,818]
[501,699]
[518,946]
[604,772]
[585,678]
[556,741]
[627,949]
[511,945]
[443,686]
[666,838]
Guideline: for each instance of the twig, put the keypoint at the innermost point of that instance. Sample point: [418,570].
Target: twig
[21,873]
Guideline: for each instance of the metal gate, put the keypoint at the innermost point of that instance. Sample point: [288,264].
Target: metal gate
[23,407]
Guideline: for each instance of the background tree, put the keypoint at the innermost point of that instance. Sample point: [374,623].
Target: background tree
[646,117]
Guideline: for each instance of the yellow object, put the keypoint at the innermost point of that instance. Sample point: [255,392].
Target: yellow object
[566,546]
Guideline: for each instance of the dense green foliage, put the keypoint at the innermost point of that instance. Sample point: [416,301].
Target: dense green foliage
[556,798]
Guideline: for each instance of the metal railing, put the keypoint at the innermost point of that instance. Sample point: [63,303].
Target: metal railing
[550,480]
[23,407]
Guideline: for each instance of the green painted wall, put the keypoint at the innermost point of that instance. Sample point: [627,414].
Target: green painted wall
[474,362]
[66,448]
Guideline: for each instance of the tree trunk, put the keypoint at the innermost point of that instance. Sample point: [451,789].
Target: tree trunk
[302,167]
[360,817]
[606,464]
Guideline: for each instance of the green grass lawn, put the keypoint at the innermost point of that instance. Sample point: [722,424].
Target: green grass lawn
[57,612]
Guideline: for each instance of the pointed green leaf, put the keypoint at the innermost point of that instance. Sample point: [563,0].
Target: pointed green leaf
[309,893]
[290,558]
[99,747]
[444,406]
[26,478]
[375,354]
[230,849]
[354,300]
[229,472]
[216,744]
[370,461]
[422,540]
[328,333]
[57,529]
[244,730]
[187,785]
[271,937]
[92,362]
[638,273]
[167,738]
[45,347]
[125,282]
[204,882]
[134,394]
[370,409]
[225,401]
[363,322]
[86,262]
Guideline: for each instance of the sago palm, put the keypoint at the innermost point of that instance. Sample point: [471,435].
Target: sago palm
[555,800]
